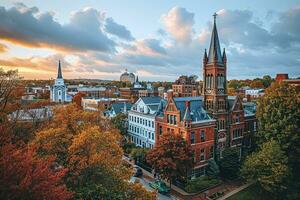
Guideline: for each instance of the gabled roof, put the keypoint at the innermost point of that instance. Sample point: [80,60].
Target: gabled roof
[196,112]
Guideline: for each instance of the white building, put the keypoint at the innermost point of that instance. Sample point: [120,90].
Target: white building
[127,77]
[141,121]
[254,93]
[58,92]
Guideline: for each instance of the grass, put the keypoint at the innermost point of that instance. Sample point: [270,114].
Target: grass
[252,192]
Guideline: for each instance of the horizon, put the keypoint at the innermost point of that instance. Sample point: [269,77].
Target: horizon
[261,38]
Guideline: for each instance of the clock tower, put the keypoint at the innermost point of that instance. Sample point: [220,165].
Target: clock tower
[215,89]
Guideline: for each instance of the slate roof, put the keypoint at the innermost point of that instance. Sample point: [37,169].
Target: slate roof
[119,107]
[195,113]
[151,100]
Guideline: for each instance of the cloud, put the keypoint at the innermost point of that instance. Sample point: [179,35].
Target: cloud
[29,27]
[179,23]
[3,48]
[116,29]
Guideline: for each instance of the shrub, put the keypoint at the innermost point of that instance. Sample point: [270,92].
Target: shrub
[201,183]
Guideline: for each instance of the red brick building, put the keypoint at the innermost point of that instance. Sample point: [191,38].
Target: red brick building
[212,122]
[186,116]
[185,86]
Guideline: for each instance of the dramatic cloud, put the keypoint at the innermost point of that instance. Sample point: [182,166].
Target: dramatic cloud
[179,23]
[96,46]
[22,25]
[116,29]
[3,48]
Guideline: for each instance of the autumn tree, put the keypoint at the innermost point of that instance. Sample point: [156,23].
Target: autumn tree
[89,146]
[267,166]
[278,115]
[172,157]
[78,98]
[23,175]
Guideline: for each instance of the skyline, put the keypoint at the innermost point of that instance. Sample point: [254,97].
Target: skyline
[167,42]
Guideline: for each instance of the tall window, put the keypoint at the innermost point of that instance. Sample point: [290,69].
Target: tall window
[202,154]
[192,137]
[202,136]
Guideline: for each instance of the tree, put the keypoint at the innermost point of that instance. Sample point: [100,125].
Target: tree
[229,163]
[213,169]
[278,114]
[23,175]
[267,166]
[257,83]
[89,147]
[119,122]
[172,157]
[139,154]
[78,98]
[267,80]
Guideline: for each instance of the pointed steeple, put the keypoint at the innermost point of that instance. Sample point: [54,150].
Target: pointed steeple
[214,53]
[137,79]
[205,56]
[59,74]
[224,56]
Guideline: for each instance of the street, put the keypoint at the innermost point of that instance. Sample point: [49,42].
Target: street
[146,182]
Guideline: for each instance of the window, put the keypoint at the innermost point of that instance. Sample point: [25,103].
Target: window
[202,155]
[175,120]
[192,137]
[160,130]
[202,136]
[152,136]
[152,124]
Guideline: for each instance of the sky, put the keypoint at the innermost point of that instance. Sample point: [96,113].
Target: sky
[157,40]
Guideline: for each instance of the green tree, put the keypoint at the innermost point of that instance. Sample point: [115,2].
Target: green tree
[213,169]
[267,80]
[267,166]
[172,157]
[230,163]
[119,122]
[278,115]
[139,154]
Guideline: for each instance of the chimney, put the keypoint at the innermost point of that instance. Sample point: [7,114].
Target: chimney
[187,104]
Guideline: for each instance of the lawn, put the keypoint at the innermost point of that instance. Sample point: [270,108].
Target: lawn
[250,193]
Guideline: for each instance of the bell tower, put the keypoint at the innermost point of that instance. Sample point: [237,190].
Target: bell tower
[215,89]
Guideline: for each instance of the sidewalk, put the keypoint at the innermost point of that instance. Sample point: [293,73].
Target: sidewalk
[235,191]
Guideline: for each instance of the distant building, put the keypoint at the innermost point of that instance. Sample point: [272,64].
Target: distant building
[35,114]
[101,105]
[185,86]
[285,78]
[141,121]
[281,77]
[58,92]
[254,93]
[127,77]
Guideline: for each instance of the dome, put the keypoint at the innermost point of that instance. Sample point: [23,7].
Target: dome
[127,77]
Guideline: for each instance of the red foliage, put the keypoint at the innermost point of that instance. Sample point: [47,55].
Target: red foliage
[172,156]
[23,175]
[77,98]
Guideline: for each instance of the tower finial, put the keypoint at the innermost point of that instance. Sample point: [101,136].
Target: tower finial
[215,16]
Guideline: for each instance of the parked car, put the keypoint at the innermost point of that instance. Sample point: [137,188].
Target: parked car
[137,172]
[160,186]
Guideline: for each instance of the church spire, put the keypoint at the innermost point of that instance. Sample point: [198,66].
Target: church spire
[59,74]
[214,53]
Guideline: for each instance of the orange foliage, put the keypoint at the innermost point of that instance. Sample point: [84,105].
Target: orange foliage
[77,98]
[25,176]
